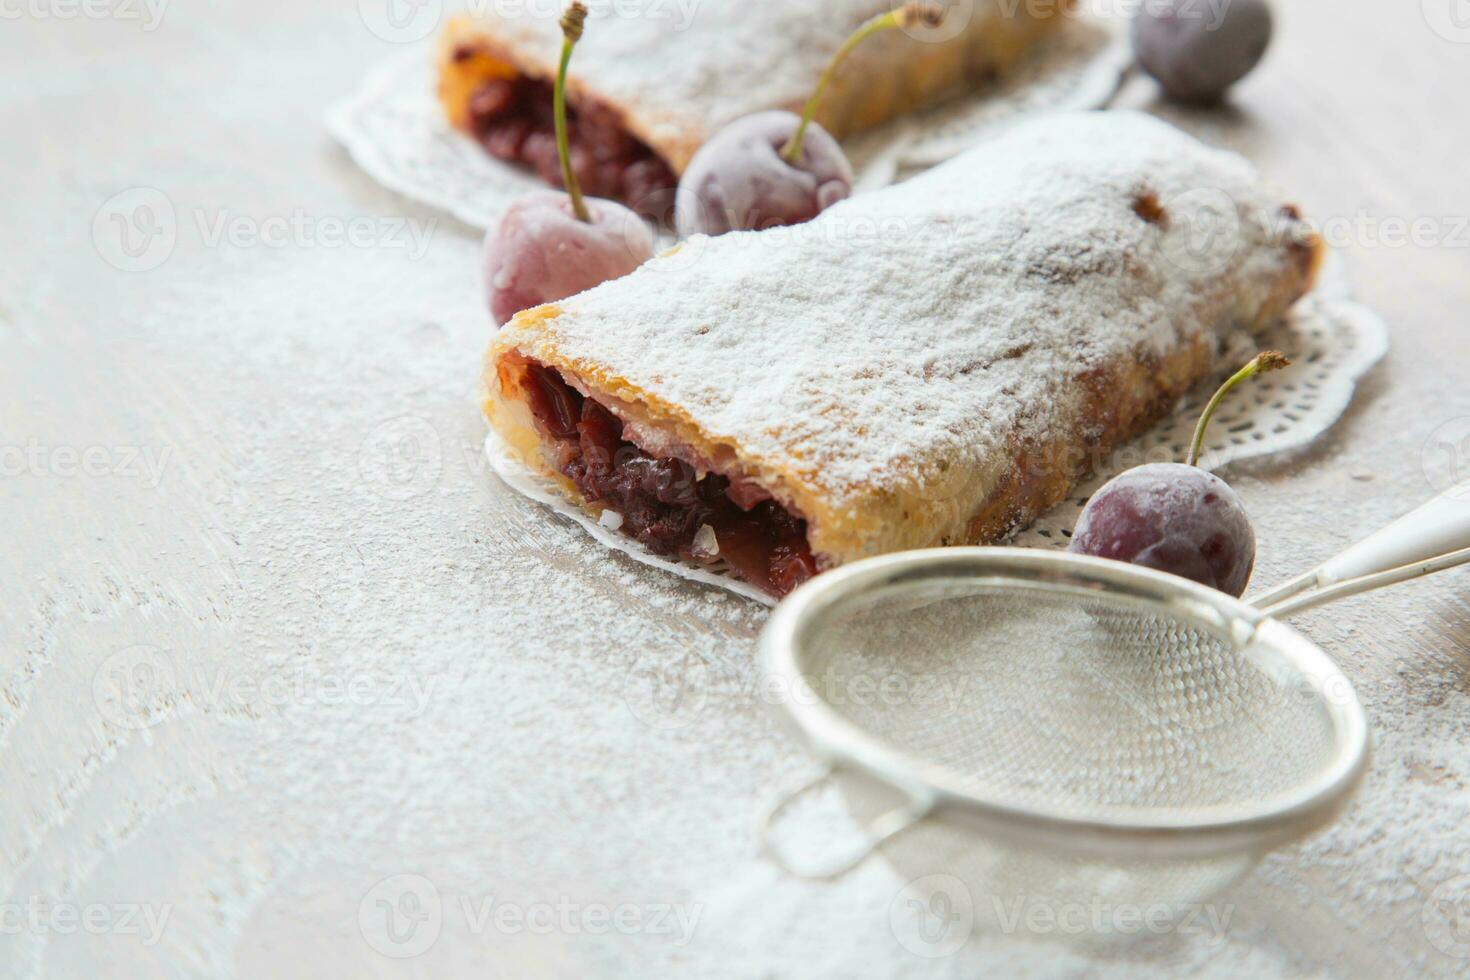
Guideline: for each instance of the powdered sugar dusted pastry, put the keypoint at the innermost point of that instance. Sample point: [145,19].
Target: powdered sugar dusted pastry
[934,363]
[655,78]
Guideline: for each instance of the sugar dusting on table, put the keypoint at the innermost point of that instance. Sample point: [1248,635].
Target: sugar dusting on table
[536,772]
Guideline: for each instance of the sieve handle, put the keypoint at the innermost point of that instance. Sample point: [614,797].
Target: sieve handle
[1431,538]
[883,828]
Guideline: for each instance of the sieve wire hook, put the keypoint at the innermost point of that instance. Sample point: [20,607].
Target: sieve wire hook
[883,828]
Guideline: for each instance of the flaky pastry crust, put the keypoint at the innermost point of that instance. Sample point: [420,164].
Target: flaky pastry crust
[674,85]
[1036,303]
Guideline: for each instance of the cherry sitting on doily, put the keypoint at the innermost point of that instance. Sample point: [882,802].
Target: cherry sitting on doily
[1176,517]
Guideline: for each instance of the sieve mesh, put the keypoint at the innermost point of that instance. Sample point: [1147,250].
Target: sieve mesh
[1082,704]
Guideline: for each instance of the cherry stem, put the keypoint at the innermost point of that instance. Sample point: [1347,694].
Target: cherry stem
[1271,360]
[571,30]
[904,17]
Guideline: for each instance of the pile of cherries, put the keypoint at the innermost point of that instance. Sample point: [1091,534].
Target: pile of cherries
[776,168]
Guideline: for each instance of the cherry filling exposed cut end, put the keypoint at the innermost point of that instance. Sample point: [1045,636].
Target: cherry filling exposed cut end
[513,119]
[663,501]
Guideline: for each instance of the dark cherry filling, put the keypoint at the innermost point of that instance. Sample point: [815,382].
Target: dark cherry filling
[663,502]
[513,119]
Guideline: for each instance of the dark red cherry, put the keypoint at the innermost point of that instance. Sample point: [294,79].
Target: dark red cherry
[1174,518]
[1197,50]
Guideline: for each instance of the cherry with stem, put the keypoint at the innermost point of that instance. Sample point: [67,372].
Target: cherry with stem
[904,17]
[572,24]
[776,168]
[549,245]
[1266,361]
[1177,517]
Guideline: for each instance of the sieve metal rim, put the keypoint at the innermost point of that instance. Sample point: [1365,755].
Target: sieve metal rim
[1185,833]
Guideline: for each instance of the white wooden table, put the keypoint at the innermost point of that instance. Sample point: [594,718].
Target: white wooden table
[289,686]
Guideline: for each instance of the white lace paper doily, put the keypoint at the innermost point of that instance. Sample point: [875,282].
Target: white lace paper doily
[1331,340]
[395,128]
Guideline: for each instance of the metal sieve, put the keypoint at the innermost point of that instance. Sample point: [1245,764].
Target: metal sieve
[1045,728]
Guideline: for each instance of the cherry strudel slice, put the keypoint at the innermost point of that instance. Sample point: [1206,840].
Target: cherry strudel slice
[935,363]
[653,79]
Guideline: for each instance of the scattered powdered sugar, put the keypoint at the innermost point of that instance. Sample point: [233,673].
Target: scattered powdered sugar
[595,730]
[939,321]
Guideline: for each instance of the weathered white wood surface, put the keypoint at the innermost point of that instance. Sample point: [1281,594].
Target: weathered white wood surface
[270,635]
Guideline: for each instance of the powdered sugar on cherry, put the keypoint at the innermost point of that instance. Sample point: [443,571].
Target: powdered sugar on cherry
[776,168]
[547,245]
